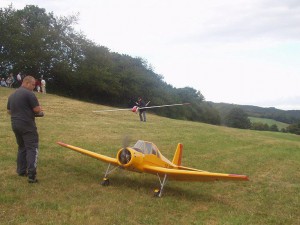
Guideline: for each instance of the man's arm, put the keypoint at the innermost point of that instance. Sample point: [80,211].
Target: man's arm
[37,109]
[38,112]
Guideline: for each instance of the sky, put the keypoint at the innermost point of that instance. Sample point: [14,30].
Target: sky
[243,52]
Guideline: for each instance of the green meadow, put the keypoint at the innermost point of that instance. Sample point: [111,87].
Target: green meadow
[270,122]
[69,190]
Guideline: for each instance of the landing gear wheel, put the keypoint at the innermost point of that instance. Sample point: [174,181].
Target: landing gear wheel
[105,182]
[156,192]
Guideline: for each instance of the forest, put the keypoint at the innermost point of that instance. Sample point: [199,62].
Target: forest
[38,43]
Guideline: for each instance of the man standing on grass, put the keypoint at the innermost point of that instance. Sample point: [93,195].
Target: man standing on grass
[23,106]
[142,112]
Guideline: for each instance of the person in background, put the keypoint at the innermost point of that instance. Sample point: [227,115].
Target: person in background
[19,79]
[142,112]
[10,80]
[23,106]
[38,85]
[43,85]
[3,83]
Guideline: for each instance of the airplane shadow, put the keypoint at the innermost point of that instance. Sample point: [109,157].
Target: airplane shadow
[147,184]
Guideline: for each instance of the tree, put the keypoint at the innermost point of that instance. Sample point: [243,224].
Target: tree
[259,126]
[294,128]
[35,42]
[274,127]
[237,118]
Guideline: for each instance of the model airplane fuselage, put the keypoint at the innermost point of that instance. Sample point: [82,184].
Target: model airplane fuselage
[145,157]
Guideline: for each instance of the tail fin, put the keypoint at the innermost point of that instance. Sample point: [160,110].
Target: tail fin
[178,155]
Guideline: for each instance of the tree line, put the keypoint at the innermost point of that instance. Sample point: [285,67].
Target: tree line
[38,43]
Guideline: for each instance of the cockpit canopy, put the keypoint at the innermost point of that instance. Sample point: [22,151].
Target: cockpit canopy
[146,147]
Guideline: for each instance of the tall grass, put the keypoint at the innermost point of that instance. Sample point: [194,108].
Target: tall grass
[69,190]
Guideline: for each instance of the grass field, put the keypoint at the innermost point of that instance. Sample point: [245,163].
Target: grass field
[270,122]
[69,190]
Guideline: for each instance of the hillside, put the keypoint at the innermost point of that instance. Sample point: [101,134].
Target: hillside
[284,116]
[68,191]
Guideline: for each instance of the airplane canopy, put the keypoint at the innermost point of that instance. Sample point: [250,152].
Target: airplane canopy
[146,147]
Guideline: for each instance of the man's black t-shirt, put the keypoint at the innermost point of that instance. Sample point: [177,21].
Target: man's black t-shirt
[141,104]
[21,104]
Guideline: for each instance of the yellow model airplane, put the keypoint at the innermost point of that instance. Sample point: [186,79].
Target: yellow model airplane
[145,157]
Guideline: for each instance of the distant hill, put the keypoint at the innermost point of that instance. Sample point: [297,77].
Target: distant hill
[284,116]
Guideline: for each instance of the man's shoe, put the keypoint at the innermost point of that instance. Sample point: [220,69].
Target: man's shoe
[23,174]
[32,180]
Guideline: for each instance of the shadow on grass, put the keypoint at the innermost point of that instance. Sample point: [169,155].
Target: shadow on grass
[145,184]
[141,183]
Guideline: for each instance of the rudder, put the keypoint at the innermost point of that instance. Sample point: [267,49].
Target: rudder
[178,155]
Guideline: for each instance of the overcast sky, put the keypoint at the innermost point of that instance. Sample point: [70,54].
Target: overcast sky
[242,51]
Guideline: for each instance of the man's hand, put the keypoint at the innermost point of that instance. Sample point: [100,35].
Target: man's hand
[39,114]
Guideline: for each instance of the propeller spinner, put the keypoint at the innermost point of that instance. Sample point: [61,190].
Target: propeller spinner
[124,154]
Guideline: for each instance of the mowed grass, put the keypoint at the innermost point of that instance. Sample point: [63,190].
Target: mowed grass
[270,122]
[69,190]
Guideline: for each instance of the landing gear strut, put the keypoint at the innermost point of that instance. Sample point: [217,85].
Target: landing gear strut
[158,192]
[105,181]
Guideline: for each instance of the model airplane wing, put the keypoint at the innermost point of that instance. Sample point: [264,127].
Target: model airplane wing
[193,175]
[136,108]
[91,154]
